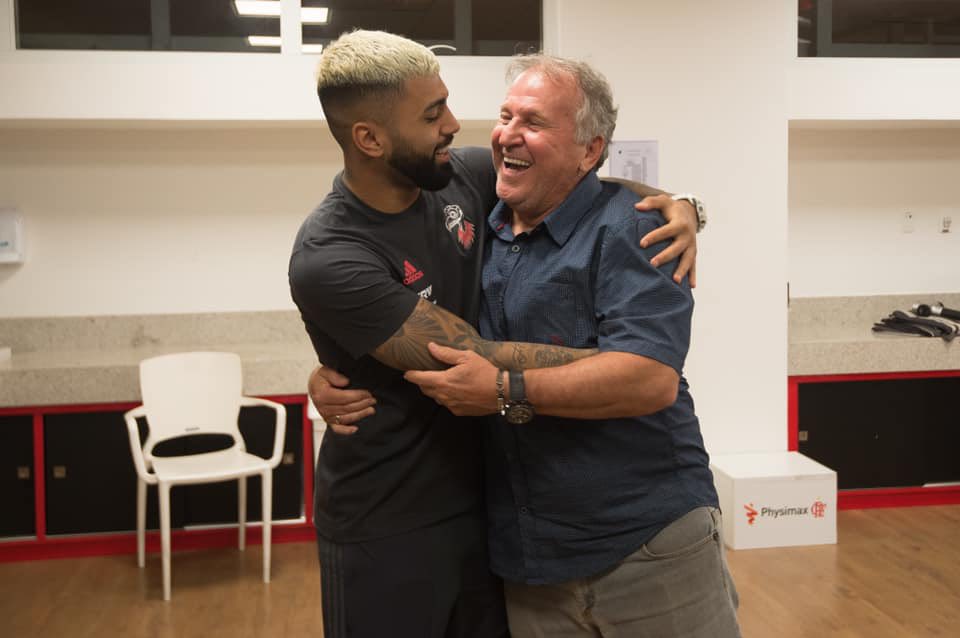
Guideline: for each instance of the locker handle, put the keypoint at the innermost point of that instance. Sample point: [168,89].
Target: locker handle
[23,472]
[59,471]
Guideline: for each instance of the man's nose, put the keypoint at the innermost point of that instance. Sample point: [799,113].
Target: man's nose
[509,134]
[451,126]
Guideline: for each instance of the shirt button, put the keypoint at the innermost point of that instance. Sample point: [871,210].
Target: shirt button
[524,510]
[515,248]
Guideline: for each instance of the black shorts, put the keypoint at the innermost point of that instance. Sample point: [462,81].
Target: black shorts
[433,582]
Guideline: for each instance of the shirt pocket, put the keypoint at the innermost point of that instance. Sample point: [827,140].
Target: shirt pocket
[554,313]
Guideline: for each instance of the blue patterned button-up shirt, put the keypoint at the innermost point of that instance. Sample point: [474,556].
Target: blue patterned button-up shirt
[571,498]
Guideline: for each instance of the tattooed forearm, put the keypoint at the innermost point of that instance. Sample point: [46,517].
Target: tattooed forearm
[407,348]
[519,357]
[550,357]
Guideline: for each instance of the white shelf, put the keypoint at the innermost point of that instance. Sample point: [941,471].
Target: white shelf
[874,89]
[873,125]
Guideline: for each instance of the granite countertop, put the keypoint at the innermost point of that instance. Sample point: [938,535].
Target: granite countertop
[82,360]
[70,361]
[832,335]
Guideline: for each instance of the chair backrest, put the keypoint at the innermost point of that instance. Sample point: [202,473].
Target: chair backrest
[191,393]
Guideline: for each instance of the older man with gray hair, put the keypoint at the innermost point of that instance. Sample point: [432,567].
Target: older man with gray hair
[603,518]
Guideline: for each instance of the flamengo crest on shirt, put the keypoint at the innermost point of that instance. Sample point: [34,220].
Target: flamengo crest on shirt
[466,231]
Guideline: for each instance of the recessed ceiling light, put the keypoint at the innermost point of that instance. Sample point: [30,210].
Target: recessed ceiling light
[271,9]
[314,15]
[257,7]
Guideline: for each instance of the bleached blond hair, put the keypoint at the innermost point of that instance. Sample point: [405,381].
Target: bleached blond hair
[361,64]
[374,59]
[596,115]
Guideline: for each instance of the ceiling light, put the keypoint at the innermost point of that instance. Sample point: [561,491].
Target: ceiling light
[314,15]
[257,7]
[264,40]
[271,9]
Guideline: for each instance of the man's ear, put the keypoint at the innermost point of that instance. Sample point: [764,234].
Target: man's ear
[369,138]
[592,156]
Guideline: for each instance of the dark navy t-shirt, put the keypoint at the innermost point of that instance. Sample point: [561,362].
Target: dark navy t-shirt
[571,498]
[356,274]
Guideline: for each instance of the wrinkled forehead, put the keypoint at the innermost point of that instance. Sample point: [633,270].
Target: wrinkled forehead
[541,91]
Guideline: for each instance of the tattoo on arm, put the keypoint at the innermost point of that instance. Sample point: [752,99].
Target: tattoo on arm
[407,348]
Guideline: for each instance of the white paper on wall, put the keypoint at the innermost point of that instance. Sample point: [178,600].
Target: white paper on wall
[636,160]
[11,236]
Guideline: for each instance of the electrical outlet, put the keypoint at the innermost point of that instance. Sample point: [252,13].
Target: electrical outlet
[945,223]
[906,225]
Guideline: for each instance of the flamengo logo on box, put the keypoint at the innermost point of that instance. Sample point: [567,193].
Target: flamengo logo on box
[817,510]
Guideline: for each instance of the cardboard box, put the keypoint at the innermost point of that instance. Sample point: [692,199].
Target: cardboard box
[775,499]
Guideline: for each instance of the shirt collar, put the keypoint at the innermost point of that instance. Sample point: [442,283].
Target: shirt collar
[562,221]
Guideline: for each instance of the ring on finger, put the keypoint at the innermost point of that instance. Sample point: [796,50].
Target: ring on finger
[336,419]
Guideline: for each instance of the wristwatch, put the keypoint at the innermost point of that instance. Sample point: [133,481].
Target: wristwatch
[517,410]
[697,206]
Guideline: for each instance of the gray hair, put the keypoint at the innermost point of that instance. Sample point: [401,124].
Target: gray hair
[596,116]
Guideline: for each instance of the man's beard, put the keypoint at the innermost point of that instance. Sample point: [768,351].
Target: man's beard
[422,170]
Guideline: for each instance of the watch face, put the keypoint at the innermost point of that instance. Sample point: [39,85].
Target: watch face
[519,413]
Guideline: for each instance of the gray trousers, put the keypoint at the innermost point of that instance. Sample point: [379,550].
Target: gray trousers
[677,585]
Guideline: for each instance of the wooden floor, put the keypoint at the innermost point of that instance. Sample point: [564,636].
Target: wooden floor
[894,573]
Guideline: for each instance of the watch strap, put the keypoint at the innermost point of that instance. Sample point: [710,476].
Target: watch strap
[517,390]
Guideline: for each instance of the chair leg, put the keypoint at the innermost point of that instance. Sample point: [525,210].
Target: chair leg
[164,490]
[242,510]
[267,500]
[141,521]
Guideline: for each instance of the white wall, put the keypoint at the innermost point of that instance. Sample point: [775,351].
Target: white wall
[134,220]
[182,86]
[849,190]
[708,81]
[160,220]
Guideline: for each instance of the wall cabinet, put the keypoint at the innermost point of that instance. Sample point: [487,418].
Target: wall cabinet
[85,501]
[91,482]
[16,476]
[882,433]
[91,485]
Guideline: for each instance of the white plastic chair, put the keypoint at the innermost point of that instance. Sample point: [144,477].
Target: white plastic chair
[197,393]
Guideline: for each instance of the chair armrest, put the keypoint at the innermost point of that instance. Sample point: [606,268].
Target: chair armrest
[280,430]
[136,450]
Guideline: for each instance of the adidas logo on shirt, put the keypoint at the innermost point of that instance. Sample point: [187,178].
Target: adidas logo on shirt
[410,273]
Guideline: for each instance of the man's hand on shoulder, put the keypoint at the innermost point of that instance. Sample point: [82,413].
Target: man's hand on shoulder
[681,226]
